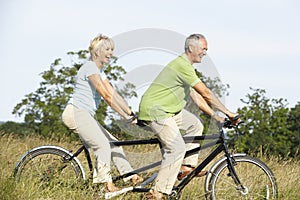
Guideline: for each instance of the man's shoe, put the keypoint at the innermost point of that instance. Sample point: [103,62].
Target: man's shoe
[183,174]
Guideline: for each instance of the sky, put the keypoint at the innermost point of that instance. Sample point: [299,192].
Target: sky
[252,43]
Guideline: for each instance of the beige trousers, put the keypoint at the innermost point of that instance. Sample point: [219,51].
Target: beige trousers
[94,136]
[174,147]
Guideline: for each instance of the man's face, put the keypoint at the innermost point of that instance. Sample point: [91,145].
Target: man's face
[198,50]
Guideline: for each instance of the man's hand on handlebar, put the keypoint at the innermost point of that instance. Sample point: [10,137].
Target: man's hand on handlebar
[234,118]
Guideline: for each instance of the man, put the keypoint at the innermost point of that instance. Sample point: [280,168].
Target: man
[162,108]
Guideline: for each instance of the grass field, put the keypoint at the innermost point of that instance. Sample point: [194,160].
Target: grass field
[287,173]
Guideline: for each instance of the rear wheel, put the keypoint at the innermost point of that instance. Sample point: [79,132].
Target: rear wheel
[258,181]
[48,166]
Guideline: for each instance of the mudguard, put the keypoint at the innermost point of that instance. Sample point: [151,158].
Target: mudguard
[49,147]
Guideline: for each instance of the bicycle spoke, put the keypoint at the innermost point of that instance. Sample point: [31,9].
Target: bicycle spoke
[256,179]
[47,167]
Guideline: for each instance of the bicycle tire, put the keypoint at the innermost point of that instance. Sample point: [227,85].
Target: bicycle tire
[258,180]
[47,166]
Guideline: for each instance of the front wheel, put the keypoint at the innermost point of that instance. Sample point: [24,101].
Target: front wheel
[257,180]
[48,166]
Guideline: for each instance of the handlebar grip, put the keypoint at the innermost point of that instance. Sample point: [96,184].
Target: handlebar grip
[227,123]
[237,117]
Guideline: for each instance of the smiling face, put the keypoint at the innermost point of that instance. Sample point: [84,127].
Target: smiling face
[196,50]
[105,53]
[101,50]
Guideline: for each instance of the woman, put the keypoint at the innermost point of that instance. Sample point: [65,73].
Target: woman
[91,86]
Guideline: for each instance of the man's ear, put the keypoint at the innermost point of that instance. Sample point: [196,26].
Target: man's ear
[190,49]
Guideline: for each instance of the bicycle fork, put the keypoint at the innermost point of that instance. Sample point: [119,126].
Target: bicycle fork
[232,173]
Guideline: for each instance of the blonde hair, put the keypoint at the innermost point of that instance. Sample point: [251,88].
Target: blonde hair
[98,43]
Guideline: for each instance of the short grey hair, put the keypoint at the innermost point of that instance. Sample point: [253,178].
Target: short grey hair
[191,40]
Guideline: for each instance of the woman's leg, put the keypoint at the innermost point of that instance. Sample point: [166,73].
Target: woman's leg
[93,137]
[118,155]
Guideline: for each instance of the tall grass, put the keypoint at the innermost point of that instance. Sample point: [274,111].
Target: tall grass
[287,173]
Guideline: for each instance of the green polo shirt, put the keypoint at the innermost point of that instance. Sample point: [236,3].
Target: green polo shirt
[168,93]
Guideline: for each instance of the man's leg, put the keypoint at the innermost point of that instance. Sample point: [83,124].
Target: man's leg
[173,153]
[193,127]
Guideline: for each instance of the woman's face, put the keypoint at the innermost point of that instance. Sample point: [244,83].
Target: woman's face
[105,54]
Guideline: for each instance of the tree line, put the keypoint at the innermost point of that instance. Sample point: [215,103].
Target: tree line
[270,126]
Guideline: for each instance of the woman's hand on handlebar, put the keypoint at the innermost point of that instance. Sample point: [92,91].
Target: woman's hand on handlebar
[134,122]
[134,119]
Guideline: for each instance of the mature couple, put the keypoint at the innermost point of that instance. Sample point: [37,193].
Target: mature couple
[161,107]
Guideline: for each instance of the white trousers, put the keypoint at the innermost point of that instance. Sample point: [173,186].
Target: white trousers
[174,147]
[94,136]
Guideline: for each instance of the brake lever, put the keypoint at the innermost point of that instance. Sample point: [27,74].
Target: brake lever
[225,124]
[241,122]
[237,129]
[237,117]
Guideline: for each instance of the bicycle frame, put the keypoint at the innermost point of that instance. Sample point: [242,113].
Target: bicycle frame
[218,139]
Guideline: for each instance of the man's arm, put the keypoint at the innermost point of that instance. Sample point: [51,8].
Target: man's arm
[211,99]
[202,104]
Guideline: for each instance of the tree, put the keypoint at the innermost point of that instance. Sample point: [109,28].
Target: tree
[294,127]
[16,128]
[42,109]
[266,127]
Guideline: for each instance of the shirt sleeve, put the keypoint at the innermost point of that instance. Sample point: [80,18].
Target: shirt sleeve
[188,75]
[91,69]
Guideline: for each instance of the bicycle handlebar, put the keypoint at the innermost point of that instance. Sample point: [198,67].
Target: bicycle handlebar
[228,123]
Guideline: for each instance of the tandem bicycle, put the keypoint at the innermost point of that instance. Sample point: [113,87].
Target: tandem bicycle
[237,175]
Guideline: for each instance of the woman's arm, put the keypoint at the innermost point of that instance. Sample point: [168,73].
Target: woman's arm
[110,95]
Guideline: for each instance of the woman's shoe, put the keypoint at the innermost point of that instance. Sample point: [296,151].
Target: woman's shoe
[110,187]
[136,179]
